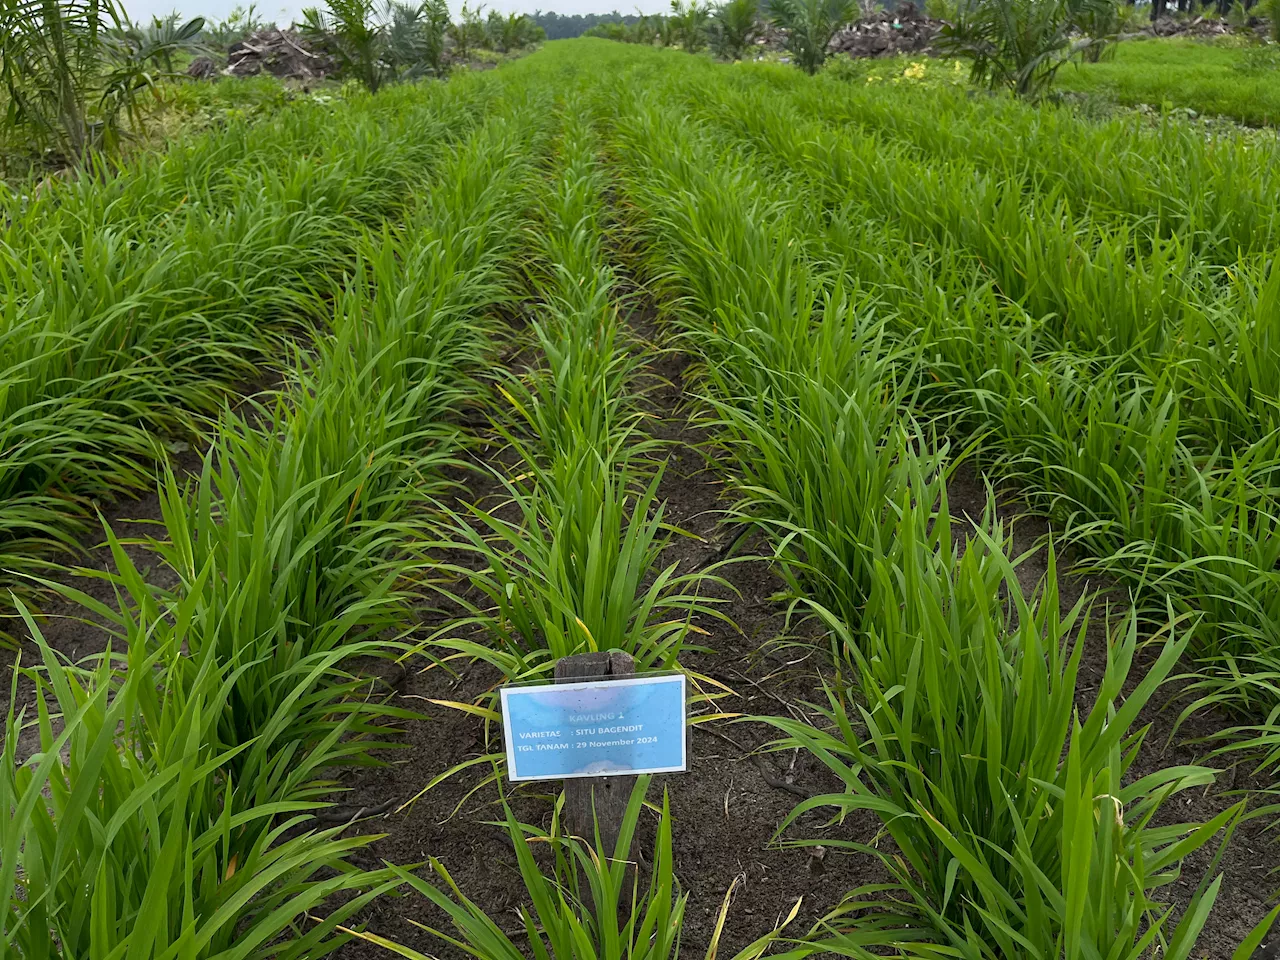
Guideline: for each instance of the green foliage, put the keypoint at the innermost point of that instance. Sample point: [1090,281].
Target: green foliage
[399,41]
[759,197]
[1212,79]
[222,280]
[240,23]
[1271,10]
[121,835]
[1015,824]
[468,33]
[734,27]
[688,24]
[74,72]
[810,25]
[156,43]
[1102,23]
[508,33]
[416,38]
[1259,60]
[572,560]
[1237,16]
[1022,44]
[348,30]
[166,812]
[644,30]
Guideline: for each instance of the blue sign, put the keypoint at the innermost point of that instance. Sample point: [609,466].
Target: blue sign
[596,728]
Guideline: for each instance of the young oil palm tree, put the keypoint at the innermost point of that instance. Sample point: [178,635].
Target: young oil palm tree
[810,25]
[70,84]
[1020,44]
[689,22]
[348,29]
[734,25]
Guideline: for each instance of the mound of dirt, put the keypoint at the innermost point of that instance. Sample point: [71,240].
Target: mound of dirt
[281,53]
[1197,27]
[1203,27]
[887,34]
[203,68]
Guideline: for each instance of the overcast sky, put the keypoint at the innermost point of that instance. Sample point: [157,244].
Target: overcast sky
[285,11]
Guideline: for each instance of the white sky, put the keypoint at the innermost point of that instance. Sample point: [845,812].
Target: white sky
[285,11]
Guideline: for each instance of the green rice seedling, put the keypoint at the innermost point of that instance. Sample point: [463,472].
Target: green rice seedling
[1110,288]
[1233,358]
[120,835]
[579,569]
[804,394]
[1170,178]
[1110,448]
[1213,546]
[578,401]
[1015,827]
[822,454]
[582,907]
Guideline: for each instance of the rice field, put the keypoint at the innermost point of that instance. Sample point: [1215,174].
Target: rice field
[934,436]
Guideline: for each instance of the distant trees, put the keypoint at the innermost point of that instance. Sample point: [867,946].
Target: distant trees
[561,27]
[729,27]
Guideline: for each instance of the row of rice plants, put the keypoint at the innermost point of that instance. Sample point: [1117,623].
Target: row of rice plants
[170,812]
[1084,287]
[569,561]
[136,299]
[1014,830]
[1218,192]
[1167,474]
[1091,286]
[1128,463]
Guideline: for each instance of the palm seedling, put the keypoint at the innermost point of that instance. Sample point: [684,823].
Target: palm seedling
[72,73]
[355,35]
[735,24]
[468,32]
[1021,44]
[810,25]
[688,20]
[416,37]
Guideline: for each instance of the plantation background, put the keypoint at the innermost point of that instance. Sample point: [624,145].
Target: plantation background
[920,407]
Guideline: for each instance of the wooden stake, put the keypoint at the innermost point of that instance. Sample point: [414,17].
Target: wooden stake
[610,795]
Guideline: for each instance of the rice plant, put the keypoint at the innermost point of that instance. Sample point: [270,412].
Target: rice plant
[121,832]
[1014,824]
[583,907]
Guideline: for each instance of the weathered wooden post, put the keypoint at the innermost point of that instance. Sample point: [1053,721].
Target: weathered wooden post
[606,796]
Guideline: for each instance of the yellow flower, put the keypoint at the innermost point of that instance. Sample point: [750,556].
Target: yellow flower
[914,72]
